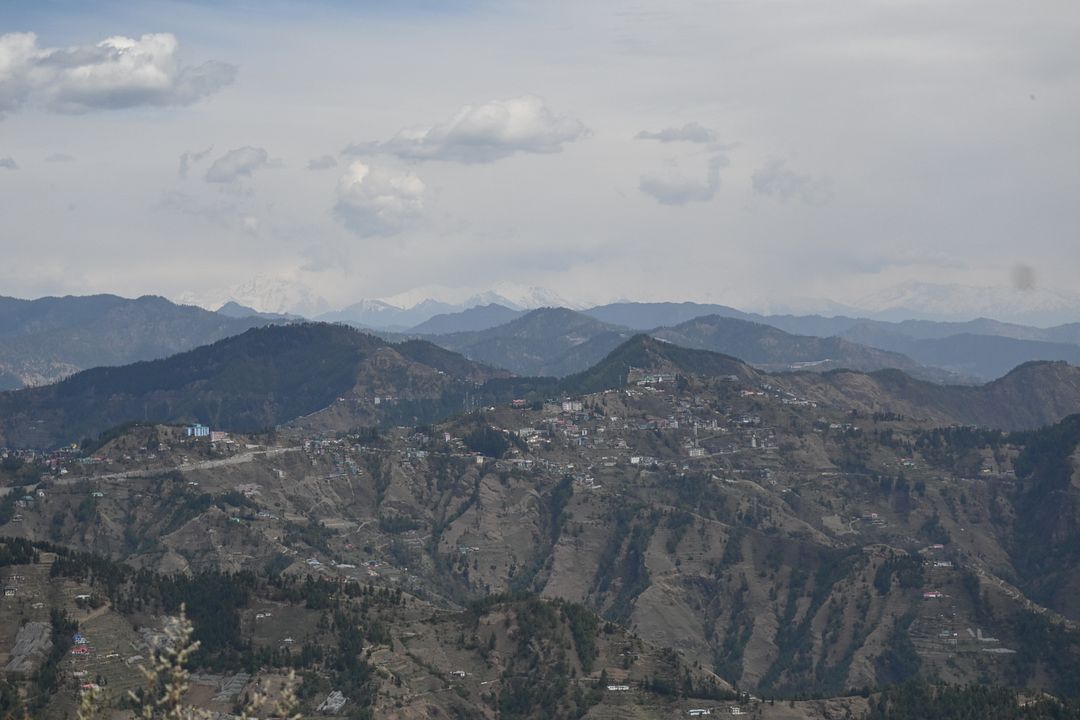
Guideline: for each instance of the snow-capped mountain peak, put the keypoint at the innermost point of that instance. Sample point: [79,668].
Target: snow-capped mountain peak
[412,307]
[512,295]
[489,297]
[374,306]
[265,293]
[527,297]
[965,302]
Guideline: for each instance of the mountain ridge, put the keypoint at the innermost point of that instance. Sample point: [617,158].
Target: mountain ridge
[333,375]
[263,377]
[49,338]
[772,349]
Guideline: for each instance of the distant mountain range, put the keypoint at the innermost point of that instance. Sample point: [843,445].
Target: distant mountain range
[331,377]
[270,296]
[938,302]
[236,310]
[50,338]
[979,356]
[962,302]
[772,349]
[980,349]
[509,294]
[376,314]
[548,341]
[646,316]
[474,313]
[559,342]
[265,294]
[474,319]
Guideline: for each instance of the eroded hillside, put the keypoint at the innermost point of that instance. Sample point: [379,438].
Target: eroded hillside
[785,546]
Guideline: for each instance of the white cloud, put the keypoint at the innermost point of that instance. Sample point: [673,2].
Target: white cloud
[321,257]
[484,133]
[690,132]
[60,158]
[680,190]
[235,164]
[8,163]
[377,201]
[322,163]
[118,72]
[776,180]
[187,158]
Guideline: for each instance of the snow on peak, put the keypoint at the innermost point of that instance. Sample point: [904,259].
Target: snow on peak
[511,295]
[940,301]
[264,293]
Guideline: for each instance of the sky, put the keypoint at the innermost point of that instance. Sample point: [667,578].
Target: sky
[752,152]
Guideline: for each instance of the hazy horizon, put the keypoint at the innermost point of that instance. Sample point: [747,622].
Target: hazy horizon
[914,301]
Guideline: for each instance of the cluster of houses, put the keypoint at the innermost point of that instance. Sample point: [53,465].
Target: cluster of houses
[81,646]
[575,424]
[729,710]
[338,451]
[53,462]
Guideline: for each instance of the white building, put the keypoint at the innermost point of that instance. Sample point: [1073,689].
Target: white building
[197,430]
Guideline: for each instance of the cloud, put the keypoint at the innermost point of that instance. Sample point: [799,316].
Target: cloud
[679,190]
[223,213]
[375,201]
[60,158]
[776,180]
[8,163]
[323,257]
[484,133]
[220,209]
[1023,277]
[187,158]
[322,163]
[690,132]
[118,72]
[238,163]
